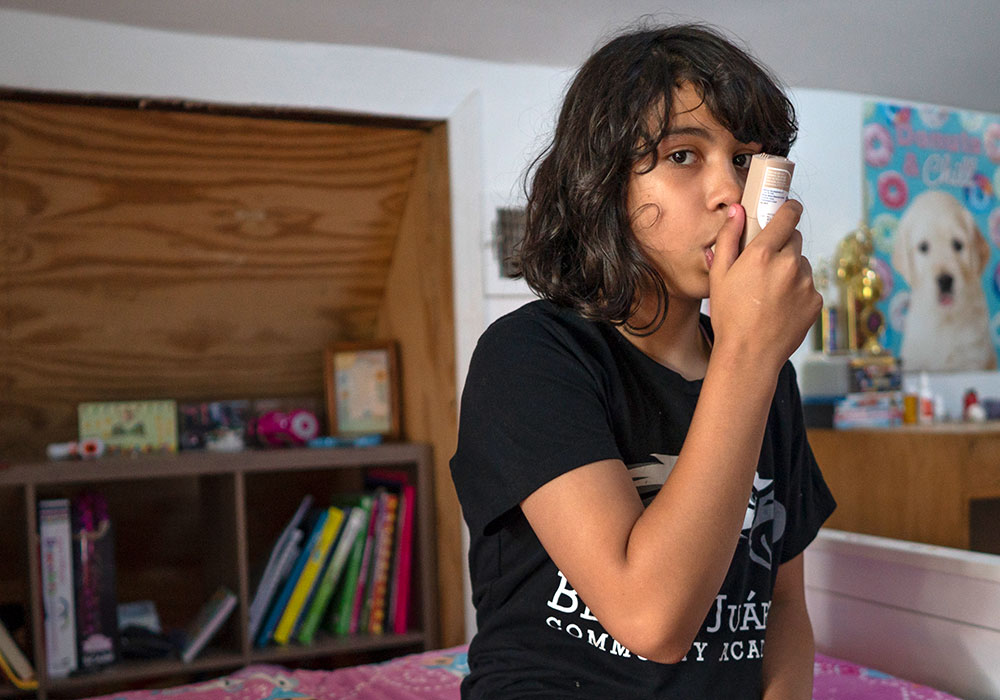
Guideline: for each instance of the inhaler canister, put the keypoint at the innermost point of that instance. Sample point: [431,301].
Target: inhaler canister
[768,182]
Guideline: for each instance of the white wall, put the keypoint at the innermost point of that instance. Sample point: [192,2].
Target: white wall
[498,116]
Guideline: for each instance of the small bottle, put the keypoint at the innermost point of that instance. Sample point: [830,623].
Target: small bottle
[926,399]
[911,403]
[969,400]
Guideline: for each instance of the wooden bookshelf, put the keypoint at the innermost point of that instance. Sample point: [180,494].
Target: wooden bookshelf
[135,279]
[186,523]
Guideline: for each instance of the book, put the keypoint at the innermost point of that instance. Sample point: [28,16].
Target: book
[867,409]
[221,426]
[130,426]
[58,601]
[311,599]
[313,527]
[360,590]
[318,554]
[382,562]
[398,481]
[875,373]
[355,519]
[339,617]
[207,622]
[279,564]
[94,582]
[14,663]
[399,596]
[141,614]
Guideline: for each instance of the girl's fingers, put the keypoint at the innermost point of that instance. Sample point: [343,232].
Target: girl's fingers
[781,228]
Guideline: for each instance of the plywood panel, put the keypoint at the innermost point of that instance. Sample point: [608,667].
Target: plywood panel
[418,311]
[910,485]
[153,254]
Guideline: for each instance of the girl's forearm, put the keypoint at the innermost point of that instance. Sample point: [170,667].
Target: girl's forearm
[689,532]
[789,648]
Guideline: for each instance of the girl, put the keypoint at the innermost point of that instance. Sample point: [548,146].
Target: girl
[636,478]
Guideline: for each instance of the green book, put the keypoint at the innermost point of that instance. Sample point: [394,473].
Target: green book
[339,618]
[355,519]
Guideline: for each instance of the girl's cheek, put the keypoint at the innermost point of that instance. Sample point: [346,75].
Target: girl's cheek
[644,217]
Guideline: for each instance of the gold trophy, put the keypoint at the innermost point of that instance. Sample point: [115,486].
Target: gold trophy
[861,288]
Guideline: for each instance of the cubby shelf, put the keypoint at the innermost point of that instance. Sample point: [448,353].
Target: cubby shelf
[186,523]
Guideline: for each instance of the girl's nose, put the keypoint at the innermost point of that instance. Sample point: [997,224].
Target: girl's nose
[726,187]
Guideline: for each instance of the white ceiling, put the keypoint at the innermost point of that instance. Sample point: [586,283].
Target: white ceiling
[938,51]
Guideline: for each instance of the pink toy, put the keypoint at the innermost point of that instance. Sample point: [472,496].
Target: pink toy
[278,428]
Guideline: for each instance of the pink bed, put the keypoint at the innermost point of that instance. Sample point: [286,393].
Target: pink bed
[435,675]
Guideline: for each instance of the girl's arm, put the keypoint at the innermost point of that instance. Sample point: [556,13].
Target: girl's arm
[789,649]
[650,575]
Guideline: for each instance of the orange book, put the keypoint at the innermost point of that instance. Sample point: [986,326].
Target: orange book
[384,540]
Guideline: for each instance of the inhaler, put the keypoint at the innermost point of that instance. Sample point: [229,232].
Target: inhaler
[768,182]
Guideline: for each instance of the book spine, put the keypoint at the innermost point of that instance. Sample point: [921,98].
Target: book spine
[95,586]
[209,620]
[57,587]
[269,585]
[15,664]
[278,565]
[401,588]
[363,573]
[278,606]
[383,562]
[318,555]
[310,600]
[324,593]
[339,621]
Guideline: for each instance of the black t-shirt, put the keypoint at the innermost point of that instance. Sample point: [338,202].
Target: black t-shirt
[547,392]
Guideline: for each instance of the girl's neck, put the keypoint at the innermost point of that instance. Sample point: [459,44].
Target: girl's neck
[679,343]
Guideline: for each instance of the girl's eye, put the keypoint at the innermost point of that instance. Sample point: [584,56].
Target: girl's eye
[681,157]
[742,160]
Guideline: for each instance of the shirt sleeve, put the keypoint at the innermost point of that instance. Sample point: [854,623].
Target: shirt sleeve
[810,502]
[533,408]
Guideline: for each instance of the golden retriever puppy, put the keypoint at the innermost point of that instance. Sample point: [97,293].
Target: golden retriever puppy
[941,253]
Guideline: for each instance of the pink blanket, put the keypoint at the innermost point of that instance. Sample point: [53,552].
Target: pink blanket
[435,675]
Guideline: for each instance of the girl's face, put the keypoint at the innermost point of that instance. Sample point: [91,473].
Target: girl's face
[678,207]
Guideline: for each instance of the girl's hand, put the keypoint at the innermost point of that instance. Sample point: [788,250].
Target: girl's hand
[763,300]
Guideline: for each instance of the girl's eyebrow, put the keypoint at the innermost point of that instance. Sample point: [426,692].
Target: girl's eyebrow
[688,131]
[698,132]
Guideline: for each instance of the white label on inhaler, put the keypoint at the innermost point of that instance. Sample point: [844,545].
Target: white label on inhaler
[773,193]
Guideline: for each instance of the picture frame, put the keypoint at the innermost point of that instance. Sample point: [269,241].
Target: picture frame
[361,385]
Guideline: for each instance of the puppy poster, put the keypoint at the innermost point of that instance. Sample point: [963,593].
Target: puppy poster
[932,176]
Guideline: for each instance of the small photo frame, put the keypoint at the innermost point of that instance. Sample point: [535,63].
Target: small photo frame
[361,383]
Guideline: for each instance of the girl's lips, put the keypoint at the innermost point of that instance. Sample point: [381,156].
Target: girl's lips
[709,257]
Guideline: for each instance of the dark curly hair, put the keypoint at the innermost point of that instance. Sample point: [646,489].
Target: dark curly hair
[579,250]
